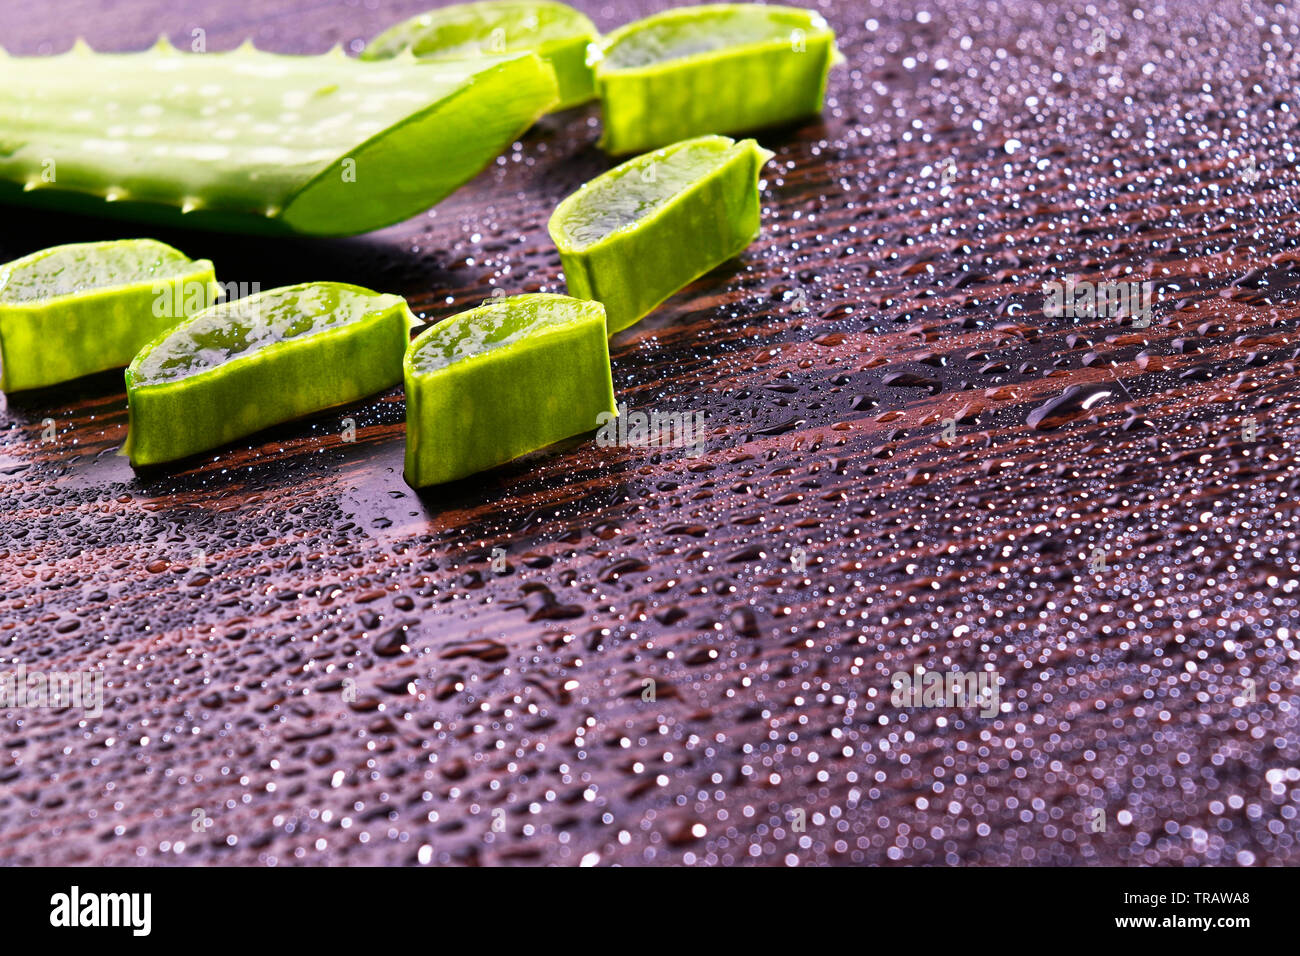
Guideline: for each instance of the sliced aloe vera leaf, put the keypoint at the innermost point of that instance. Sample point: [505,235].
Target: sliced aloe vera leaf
[633,236]
[241,366]
[554,31]
[717,68]
[256,142]
[512,376]
[72,310]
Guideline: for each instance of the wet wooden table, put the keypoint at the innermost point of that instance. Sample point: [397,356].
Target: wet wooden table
[691,659]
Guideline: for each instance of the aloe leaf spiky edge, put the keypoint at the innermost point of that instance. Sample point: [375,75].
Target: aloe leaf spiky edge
[249,141]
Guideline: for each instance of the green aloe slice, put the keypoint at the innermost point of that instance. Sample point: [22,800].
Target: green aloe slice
[72,310]
[554,31]
[717,68]
[496,382]
[633,236]
[256,142]
[239,367]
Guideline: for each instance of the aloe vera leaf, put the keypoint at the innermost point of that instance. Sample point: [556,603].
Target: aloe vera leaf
[512,376]
[554,31]
[72,310]
[249,141]
[716,68]
[638,233]
[239,367]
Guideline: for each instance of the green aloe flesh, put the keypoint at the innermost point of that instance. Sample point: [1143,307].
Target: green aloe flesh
[554,31]
[716,68]
[510,377]
[635,235]
[73,310]
[250,141]
[242,366]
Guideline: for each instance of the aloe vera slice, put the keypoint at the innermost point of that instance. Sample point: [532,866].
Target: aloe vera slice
[496,382]
[554,31]
[256,142]
[633,236]
[72,310]
[239,367]
[716,68]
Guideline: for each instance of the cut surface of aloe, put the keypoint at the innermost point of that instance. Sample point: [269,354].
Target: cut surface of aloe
[716,68]
[241,366]
[512,376]
[554,31]
[633,236]
[72,310]
[257,142]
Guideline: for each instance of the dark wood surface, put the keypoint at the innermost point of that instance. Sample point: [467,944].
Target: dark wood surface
[879,301]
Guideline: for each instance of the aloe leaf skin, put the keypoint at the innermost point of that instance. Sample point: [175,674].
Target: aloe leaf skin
[714,68]
[574,76]
[554,31]
[78,309]
[510,377]
[709,210]
[239,367]
[249,141]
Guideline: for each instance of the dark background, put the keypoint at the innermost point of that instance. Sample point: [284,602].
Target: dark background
[922,301]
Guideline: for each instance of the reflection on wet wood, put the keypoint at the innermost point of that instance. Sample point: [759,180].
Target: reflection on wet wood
[635,655]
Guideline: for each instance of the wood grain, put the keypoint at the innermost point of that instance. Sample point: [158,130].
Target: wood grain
[330,668]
